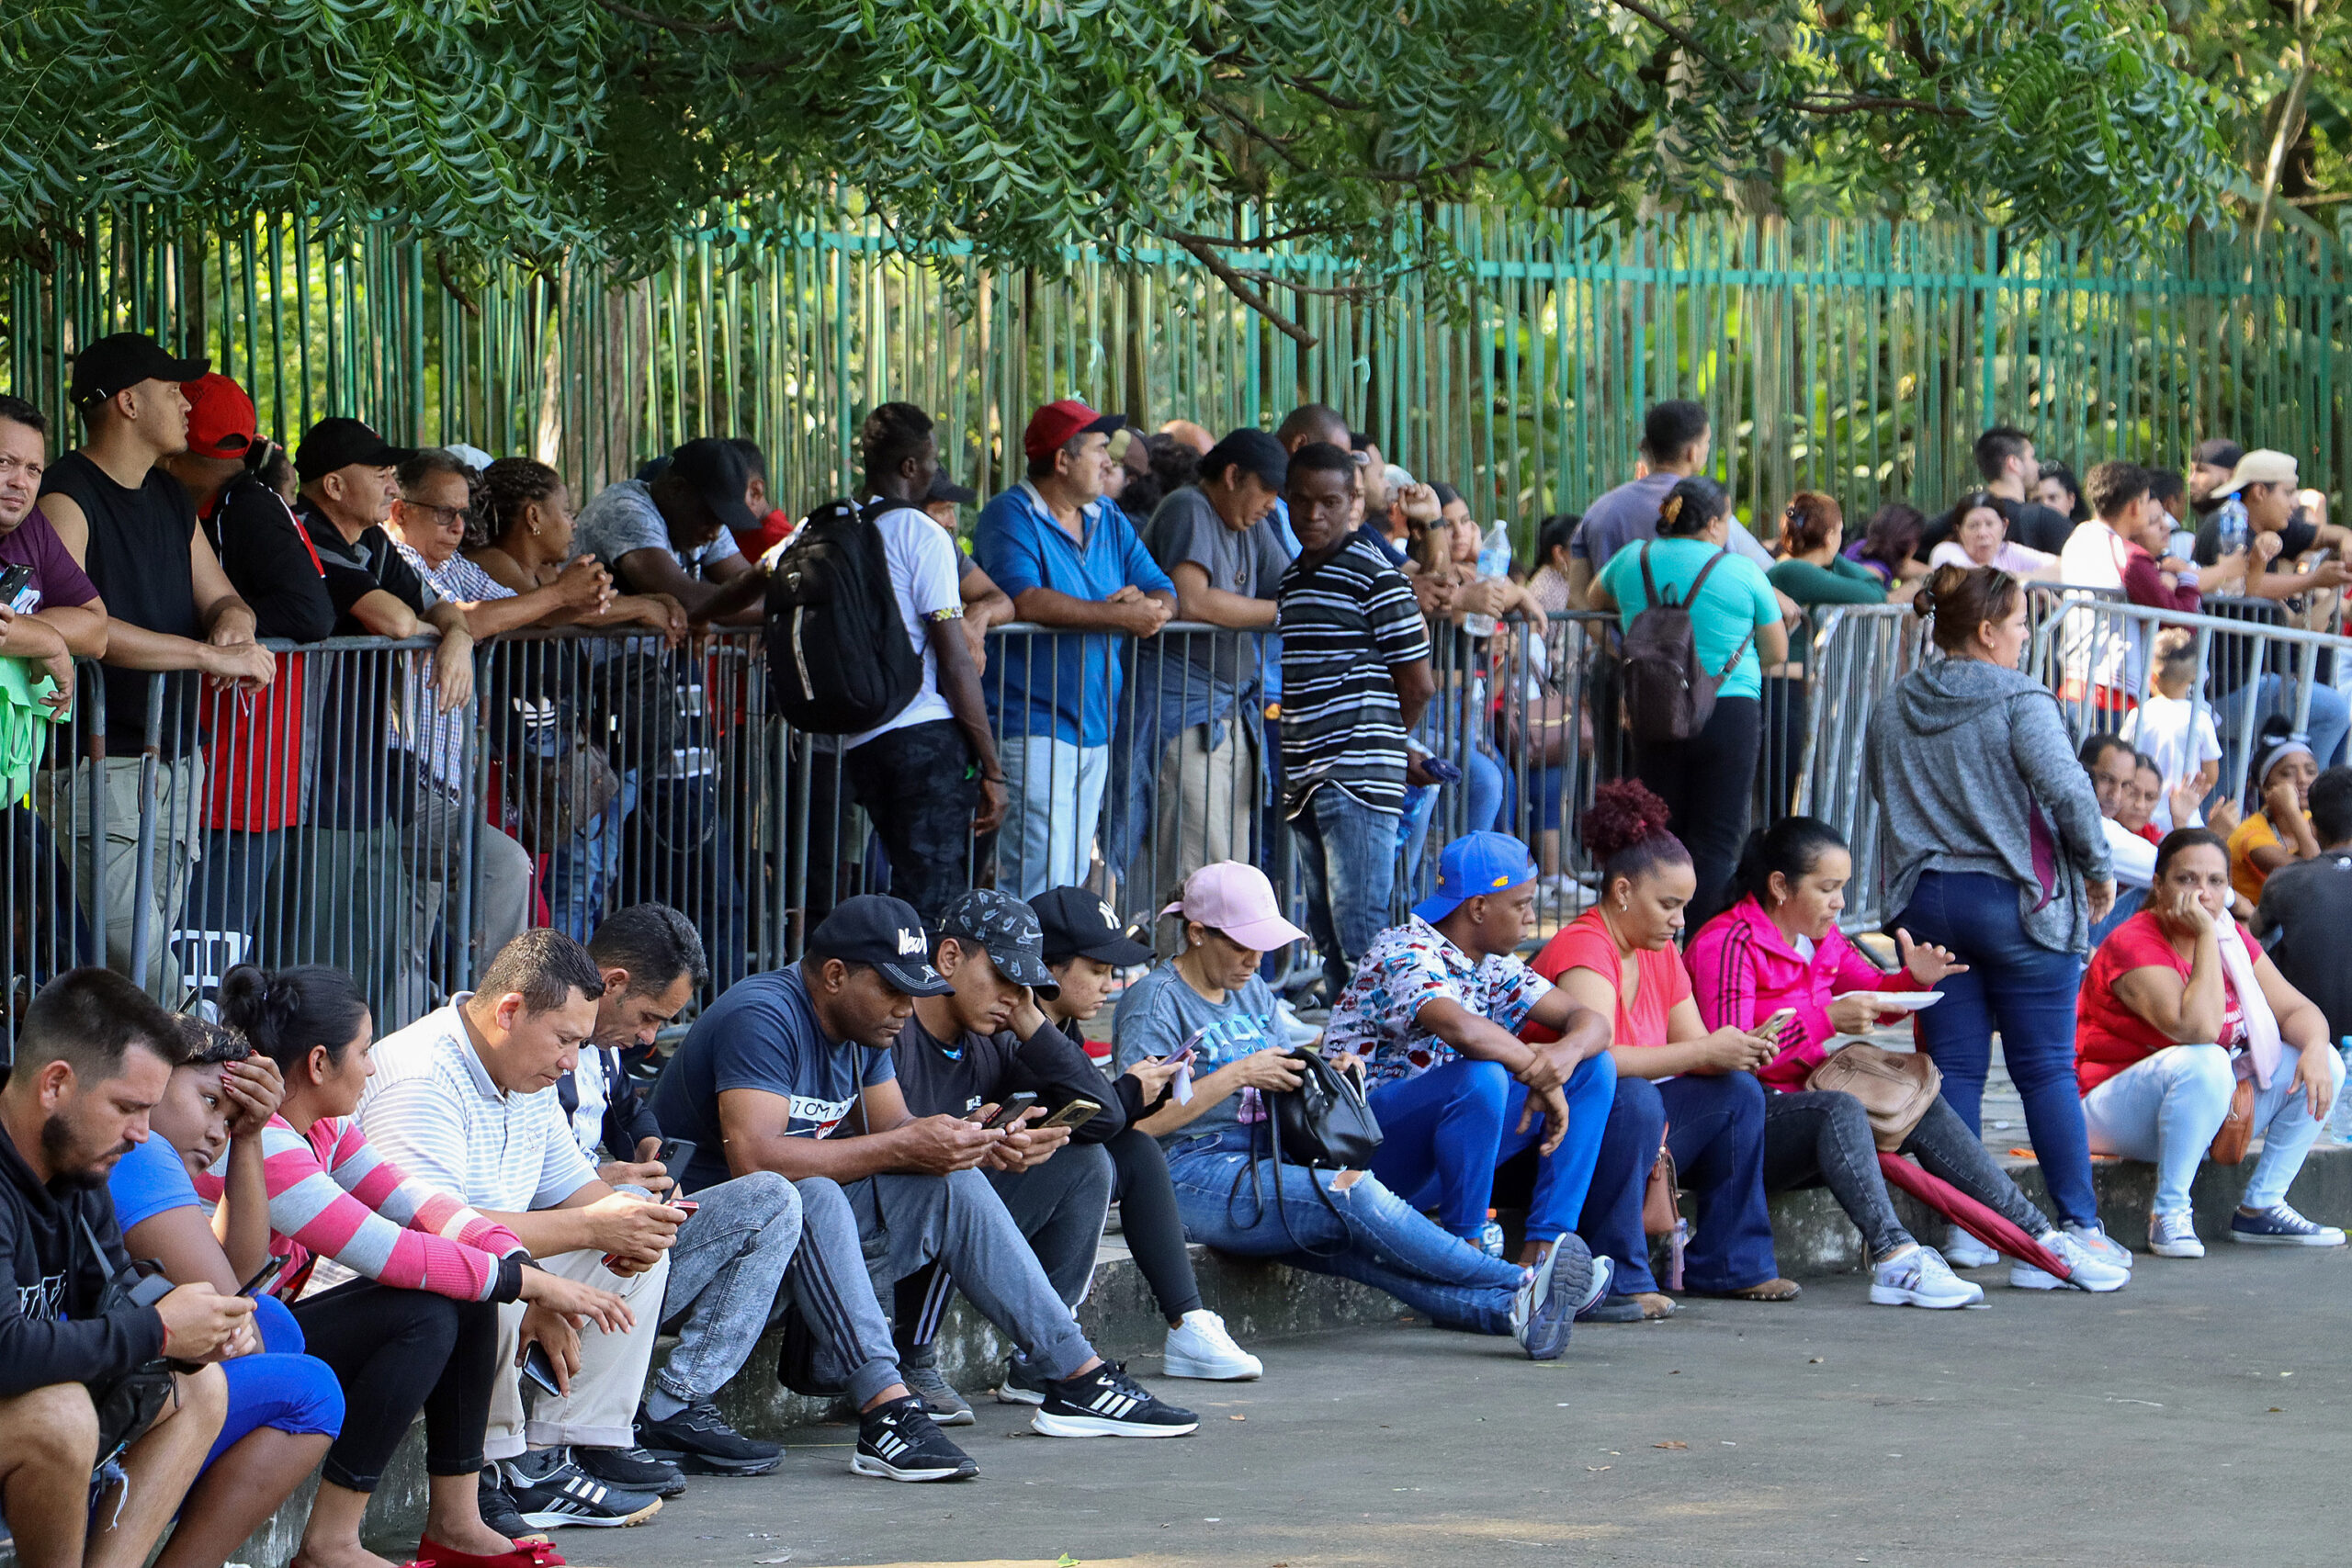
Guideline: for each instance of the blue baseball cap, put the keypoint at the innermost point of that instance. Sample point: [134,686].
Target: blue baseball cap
[1475,864]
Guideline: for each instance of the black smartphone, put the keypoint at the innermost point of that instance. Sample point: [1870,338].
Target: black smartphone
[674,1154]
[1014,1104]
[14,579]
[264,1277]
[1077,1113]
[539,1366]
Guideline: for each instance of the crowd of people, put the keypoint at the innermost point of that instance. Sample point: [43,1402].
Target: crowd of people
[254,1235]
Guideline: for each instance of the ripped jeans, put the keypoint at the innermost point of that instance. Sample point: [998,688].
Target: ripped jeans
[1363,1232]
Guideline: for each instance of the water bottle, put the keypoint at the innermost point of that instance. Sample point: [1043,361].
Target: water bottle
[1490,1238]
[2230,525]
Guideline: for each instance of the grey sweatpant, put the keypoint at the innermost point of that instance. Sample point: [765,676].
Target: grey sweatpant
[726,1273]
[1059,1207]
[896,1224]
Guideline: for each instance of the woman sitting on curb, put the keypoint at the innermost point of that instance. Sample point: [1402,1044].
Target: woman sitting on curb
[2180,1005]
[1675,1079]
[1208,1012]
[1779,948]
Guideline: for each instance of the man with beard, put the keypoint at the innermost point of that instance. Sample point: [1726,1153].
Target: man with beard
[92,1058]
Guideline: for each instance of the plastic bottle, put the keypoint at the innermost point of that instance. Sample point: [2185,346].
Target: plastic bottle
[1490,1239]
[2230,525]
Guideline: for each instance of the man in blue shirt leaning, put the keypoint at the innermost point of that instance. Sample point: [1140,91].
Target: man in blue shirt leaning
[1070,560]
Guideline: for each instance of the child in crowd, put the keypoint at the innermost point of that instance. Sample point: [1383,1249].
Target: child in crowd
[2170,728]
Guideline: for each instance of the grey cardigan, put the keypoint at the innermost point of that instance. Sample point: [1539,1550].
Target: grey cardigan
[1973,771]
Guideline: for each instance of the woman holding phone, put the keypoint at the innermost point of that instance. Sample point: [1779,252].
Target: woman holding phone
[1777,959]
[284,1407]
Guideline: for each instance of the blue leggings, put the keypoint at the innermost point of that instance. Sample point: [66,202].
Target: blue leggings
[281,1387]
[1444,1132]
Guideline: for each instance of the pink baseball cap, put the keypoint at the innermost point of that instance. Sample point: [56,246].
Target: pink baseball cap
[1237,900]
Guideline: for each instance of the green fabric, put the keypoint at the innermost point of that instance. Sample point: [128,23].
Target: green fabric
[1841,582]
[23,724]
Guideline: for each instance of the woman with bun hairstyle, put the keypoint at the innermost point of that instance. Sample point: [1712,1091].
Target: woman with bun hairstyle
[1779,948]
[1991,847]
[1706,782]
[418,1326]
[1675,1077]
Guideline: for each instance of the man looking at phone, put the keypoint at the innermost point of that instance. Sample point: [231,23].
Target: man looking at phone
[766,1080]
[728,1266]
[986,1052]
[94,1057]
[465,1100]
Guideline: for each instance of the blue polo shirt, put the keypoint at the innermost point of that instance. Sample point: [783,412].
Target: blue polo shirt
[1069,688]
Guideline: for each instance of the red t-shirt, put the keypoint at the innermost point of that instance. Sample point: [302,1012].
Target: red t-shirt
[1660,980]
[2109,1036]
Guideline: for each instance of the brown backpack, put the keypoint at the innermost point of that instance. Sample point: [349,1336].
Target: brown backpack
[1668,693]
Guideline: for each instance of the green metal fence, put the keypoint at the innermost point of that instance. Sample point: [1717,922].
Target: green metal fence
[1855,358]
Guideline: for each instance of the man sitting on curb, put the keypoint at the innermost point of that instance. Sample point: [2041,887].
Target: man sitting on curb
[765,1079]
[94,1056]
[727,1268]
[464,1099]
[965,1052]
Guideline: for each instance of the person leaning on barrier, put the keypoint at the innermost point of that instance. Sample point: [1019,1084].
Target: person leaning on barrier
[675,535]
[766,1079]
[929,775]
[170,608]
[2117,547]
[100,1429]
[1069,559]
[1780,947]
[57,616]
[1990,838]
[1976,533]
[2180,1005]
[521,537]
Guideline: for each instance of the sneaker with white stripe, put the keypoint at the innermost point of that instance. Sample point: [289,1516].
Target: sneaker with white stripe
[2280,1226]
[1106,1403]
[550,1490]
[898,1441]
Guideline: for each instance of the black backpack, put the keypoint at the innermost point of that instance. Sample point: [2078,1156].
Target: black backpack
[1668,693]
[839,661]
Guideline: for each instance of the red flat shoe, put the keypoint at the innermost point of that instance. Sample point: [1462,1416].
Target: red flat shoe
[431,1553]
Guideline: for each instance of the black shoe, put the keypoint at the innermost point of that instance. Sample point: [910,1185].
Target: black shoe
[499,1512]
[1106,1403]
[700,1442]
[550,1490]
[898,1441]
[631,1470]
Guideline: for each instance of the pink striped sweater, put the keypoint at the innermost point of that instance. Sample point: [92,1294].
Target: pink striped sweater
[332,1195]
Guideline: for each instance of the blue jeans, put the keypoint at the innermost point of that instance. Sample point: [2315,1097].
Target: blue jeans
[2027,992]
[585,868]
[1347,860]
[1363,1232]
[1715,1126]
[1444,1132]
[1053,792]
[2166,1108]
[2330,719]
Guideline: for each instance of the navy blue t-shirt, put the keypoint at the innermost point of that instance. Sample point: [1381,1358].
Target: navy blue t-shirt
[762,1035]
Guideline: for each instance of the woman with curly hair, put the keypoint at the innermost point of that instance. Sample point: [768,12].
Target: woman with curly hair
[1676,1079]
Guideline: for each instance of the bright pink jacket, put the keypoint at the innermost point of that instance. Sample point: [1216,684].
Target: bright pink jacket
[1743,971]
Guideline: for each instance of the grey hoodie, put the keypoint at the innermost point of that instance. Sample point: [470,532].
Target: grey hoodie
[1973,771]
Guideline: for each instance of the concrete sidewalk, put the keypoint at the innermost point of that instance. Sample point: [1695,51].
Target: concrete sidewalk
[2198,1419]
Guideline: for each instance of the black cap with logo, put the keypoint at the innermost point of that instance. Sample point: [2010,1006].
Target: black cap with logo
[876,928]
[119,362]
[1008,928]
[1076,923]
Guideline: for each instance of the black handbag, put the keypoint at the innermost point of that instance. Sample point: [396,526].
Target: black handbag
[128,1402]
[1324,1124]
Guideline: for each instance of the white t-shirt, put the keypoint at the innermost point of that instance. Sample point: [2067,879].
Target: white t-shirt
[924,572]
[2134,857]
[2160,727]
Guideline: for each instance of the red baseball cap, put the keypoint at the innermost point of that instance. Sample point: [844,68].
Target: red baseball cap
[220,420]
[1058,423]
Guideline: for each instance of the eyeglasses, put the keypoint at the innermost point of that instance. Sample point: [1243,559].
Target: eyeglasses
[447,516]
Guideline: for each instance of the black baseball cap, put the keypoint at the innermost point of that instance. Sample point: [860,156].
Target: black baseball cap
[2217,453]
[718,471]
[877,929]
[944,489]
[339,443]
[1255,452]
[1076,923]
[121,361]
[1008,928]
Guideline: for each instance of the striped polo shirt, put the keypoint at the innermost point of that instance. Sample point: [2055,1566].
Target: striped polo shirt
[1345,623]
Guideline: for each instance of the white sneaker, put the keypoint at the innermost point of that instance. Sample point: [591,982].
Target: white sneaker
[1295,1030]
[2087,1273]
[1962,1250]
[2095,1240]
[1919,1278]
[2174,1234]
[1200,1348]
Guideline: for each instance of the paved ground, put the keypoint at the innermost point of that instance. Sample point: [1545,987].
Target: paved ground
[2199,1418]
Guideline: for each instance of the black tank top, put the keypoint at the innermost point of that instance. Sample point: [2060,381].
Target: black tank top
[140,557]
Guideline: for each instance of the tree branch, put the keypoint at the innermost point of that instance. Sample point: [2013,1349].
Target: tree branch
[1243,290]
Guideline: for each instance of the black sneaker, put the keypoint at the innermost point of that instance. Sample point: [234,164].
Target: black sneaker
[898,1441]
[699,1441]
[549,1490]
[1106,1403]
[1022,1383]
[631,1470]
[499,1512]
